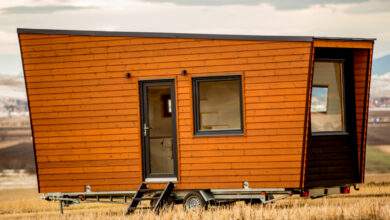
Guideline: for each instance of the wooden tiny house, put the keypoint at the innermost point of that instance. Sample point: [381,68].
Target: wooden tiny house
[110,110]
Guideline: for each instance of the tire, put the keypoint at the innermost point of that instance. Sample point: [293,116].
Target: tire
[194,200]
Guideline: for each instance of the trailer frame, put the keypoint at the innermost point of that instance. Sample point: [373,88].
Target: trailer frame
[209,196]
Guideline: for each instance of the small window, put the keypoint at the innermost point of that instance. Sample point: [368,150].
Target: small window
[217,105]
[327,100]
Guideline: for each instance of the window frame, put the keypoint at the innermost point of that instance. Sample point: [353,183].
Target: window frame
[344,101]
[196,105]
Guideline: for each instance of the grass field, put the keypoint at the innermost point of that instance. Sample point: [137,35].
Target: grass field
[378,159]
[372,201]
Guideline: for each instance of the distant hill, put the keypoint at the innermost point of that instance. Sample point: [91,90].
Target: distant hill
[380,83]
[18,156]
[381,65]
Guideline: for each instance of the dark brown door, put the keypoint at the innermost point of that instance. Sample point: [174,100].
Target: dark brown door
[158,128]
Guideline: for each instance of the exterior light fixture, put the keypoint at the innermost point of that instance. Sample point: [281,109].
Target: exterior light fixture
[184,73]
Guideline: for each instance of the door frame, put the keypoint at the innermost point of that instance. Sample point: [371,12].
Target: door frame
[145,143]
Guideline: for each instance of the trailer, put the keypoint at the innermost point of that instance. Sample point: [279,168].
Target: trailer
[196,119]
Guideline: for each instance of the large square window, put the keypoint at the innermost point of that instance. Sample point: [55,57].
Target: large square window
[217,105]
[327,99]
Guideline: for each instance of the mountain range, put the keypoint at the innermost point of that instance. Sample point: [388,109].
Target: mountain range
[381,65]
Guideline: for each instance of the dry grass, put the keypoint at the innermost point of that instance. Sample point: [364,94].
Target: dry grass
[383,178]
[372,201]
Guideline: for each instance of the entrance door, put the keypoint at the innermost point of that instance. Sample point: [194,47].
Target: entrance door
[158,130]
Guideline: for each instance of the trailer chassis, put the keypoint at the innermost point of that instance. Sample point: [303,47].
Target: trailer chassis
[190,198]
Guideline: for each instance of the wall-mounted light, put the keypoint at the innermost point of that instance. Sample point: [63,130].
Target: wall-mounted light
[128,75]
[184,73]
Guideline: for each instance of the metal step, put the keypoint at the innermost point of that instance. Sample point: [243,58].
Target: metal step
[143,189]
[137,198]
[163,197]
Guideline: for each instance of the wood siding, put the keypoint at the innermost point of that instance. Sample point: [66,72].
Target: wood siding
[85,112]
[362,61]
[343,44]
[330,162]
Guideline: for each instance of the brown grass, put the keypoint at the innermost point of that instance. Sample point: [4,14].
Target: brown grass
[372,201]
[383,178]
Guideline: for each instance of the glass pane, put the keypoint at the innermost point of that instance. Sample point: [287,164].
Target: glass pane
[160,131]
[319,99]
[219,105]
[327,101]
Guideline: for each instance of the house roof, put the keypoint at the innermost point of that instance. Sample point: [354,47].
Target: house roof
[185,35]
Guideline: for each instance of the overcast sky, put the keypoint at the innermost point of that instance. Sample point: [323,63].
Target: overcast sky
[340,18]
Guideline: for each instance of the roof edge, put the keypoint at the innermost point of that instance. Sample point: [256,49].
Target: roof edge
[183,35]
[345,38]
[163,35]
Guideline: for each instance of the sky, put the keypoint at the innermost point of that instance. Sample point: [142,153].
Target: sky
[334,18]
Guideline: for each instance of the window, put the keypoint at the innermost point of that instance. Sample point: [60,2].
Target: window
[217,105]
[327,101]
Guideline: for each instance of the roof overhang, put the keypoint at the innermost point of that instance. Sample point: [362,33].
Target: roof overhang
[185,35]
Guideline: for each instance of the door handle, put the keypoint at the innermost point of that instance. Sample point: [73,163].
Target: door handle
[146,129]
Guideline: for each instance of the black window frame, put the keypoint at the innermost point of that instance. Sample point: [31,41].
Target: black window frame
[196,101]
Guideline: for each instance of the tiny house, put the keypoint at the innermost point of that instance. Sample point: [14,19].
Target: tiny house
[217,113]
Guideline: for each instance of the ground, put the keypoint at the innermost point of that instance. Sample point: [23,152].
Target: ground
[372,201]
[378,159]
[19,199]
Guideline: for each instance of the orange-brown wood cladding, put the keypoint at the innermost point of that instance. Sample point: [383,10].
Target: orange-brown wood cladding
[85,112]
[343,44]
[362,61]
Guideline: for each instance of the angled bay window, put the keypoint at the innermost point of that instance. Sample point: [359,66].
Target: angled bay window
[217,105]
[327,100]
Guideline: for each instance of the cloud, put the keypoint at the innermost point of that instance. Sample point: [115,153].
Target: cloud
[10,64]
[43,9]
[373,6]
[279,4]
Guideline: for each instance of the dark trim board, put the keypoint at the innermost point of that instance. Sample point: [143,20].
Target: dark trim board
[306,127]
[184,35]
[345,38]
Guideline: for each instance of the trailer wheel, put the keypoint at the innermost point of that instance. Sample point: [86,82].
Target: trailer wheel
[194,200]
